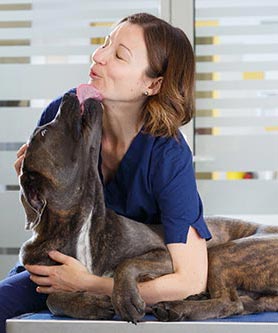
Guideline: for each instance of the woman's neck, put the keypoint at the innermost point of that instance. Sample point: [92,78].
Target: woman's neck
[121,123]
[120,126]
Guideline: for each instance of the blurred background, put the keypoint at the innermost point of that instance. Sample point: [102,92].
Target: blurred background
[45,48]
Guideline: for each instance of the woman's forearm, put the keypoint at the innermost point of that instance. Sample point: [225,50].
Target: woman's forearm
[168,287]
[165,288]
[99,285]
[190,263]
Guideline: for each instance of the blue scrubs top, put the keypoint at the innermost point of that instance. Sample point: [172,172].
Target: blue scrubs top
[155,183]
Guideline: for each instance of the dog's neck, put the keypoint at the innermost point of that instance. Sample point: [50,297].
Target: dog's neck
[55,225]
[69,232]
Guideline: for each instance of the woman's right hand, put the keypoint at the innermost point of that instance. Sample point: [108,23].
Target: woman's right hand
[20,157]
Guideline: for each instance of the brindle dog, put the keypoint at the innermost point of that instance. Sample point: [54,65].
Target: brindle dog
[63,198]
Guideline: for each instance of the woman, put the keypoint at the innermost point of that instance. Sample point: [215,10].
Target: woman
[145,73]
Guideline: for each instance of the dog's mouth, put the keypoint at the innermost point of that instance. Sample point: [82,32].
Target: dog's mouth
[82,109]
[33,200]
[31,225]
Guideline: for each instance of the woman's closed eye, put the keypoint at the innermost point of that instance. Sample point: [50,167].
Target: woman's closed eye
[123,53]
[119,56]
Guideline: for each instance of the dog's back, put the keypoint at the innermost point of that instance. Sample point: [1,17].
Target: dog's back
[225,229]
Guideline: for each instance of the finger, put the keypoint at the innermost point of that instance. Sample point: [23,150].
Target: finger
[41,280]
[59,257]
[18,163]
[39,270]
[44,290]
[21,150]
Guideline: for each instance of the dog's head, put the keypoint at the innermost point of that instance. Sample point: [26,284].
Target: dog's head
[59,157]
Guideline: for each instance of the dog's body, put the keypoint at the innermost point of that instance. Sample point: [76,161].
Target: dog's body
[242,277]
[64,204]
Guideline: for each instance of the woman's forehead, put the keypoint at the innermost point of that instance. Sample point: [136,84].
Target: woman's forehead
[128,33]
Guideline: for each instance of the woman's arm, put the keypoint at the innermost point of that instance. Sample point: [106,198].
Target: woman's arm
[190,272]
[189,277]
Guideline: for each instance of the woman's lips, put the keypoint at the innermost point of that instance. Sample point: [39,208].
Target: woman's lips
[94,75]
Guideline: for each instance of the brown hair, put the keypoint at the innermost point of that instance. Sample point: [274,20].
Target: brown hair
[171,56]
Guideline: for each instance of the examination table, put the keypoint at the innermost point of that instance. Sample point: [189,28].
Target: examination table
[45,322]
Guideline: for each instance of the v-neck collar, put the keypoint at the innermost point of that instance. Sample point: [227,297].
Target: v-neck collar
[131,155]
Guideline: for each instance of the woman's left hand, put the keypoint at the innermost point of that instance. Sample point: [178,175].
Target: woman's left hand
[69,276]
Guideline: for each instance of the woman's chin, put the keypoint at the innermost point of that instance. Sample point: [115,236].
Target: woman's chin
[94,84]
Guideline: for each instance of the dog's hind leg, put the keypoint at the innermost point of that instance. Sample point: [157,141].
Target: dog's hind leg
[81,305]
[226,305]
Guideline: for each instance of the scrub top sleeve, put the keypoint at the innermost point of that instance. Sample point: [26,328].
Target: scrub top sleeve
[176,195]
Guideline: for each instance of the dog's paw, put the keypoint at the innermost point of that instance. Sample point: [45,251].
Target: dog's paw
[128,305]
[169,311]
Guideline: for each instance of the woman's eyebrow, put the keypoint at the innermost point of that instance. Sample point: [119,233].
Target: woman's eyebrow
[129,51]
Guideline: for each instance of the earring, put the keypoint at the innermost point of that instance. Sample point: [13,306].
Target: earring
[146,93]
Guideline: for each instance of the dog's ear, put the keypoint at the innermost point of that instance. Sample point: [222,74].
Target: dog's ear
[33,212]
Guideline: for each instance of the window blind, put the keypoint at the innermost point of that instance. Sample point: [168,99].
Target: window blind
[236,126]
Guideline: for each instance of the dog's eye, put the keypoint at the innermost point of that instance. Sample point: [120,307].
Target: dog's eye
[43,132]
[32,176]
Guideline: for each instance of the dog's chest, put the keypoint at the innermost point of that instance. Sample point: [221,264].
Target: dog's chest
[83,247]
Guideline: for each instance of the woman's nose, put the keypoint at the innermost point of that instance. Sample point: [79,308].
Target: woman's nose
[99,56]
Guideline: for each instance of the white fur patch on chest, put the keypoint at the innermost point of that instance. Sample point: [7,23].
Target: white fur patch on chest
[83,246]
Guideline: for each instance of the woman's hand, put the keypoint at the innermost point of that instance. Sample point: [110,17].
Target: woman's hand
[70,276]
[20,157]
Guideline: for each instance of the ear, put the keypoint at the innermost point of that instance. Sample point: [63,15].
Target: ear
[155,86]
[33,213]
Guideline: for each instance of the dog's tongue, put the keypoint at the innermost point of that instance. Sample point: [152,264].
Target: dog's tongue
[85,91]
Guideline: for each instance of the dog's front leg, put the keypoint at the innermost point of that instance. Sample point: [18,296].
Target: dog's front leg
[81,305]
[126,299]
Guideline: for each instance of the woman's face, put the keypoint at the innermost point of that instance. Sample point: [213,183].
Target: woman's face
[119,66]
